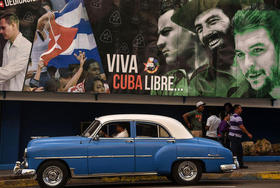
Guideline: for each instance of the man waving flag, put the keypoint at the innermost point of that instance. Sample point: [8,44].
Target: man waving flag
[70,32]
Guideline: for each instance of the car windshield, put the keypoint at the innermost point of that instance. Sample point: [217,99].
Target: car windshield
[91,128]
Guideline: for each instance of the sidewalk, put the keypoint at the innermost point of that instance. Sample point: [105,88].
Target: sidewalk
[6,174]
[256,171]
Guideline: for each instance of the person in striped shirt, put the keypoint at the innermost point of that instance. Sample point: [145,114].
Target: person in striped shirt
[236,130]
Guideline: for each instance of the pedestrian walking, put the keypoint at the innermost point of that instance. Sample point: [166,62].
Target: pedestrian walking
[223,130]
[211,127]
[193,119]
[235,134]
[228,108]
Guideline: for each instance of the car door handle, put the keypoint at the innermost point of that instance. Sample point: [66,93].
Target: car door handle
[129,141]
[170,141]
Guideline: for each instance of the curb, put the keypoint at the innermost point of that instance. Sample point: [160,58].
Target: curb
[266,175]
[12,177]
[18,183]
[269,175]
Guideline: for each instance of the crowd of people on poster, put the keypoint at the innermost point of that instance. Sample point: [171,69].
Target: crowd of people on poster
[208,48]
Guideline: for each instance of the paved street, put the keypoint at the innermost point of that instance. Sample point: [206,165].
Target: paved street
[202,184]
[258,175]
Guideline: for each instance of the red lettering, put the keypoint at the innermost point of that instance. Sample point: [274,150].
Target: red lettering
[115,84]
[127,82]
[123,82]
[138,83]
[131,80]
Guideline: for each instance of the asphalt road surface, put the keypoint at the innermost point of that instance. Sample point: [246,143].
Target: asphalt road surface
[201,184]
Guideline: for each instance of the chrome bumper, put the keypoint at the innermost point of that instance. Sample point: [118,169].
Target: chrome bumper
[230,167]
[19,171]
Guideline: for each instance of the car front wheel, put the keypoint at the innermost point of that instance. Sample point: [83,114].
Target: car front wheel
[187,172]
[52,174]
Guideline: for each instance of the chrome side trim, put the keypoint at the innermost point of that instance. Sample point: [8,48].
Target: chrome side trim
[200,157]
[66,157]
[94,156]
[85,157]
[154,138]
[110,156]
[119,156]
[113,138]
[213,155]
[143,156]
[112,174]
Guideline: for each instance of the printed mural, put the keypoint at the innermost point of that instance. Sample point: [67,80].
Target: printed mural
[208,48]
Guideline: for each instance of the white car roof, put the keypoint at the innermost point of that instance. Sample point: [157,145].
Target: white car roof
[173,126]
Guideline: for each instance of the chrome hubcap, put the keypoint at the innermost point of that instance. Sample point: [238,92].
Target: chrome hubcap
[52,176]
[187,170]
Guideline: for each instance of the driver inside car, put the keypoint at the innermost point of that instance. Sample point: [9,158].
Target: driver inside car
[121,132]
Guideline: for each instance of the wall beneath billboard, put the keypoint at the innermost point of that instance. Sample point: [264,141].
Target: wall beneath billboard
[10,133]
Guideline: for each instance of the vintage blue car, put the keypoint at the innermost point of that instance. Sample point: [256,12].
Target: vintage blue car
[121,145]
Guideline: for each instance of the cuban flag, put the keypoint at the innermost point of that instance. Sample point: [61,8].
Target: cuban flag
[70,32]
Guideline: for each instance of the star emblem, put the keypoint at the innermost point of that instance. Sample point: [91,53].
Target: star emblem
[56,39]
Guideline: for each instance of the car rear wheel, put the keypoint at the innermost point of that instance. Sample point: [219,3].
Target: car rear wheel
[187,172]
[52,174]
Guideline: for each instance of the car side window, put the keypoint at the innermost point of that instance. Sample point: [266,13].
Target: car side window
[163,133]
[150,130]
[115,130]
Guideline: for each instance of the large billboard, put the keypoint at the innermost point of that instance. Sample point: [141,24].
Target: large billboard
[208,48]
